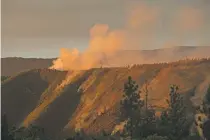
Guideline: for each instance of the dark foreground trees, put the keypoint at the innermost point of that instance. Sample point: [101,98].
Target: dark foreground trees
[208,95]
[5,134]
[31,133]
[131,108]
[143,124]
[173,121]
[206,129]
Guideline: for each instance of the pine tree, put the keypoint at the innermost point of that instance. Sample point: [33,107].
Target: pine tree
[4,128]
[208,95]
[78,135]
[206,129]
[173,122]
[131,106]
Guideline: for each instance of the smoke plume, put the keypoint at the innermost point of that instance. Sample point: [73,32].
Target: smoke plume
[139,32]
[102,44]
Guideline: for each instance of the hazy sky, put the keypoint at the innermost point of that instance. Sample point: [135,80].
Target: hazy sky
[39,28]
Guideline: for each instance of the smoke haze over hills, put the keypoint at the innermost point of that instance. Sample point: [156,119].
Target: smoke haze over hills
[140,27]
[12,66]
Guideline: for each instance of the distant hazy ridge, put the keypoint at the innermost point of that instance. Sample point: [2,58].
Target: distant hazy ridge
[13,65]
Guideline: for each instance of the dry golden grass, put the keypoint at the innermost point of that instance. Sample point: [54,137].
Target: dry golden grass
[43,106]
[21,93]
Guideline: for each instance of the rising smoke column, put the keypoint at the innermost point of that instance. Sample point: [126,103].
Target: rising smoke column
[104,43]
[141,29]
[66,60]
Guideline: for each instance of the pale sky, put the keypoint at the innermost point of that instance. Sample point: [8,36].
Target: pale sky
[39,28]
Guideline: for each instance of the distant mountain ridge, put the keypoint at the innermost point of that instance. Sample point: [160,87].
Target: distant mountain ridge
[14,65]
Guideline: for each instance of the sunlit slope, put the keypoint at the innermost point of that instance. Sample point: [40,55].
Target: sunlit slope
[105,93]
[100,104]
[56,109]
[20,94]
[188,76]
[90,99]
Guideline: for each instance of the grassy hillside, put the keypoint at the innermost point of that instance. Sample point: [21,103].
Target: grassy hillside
[22,93]
[90,99]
